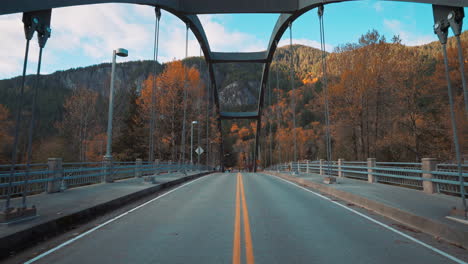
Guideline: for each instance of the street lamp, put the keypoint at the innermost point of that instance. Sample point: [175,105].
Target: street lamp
[122,53]
[191,141]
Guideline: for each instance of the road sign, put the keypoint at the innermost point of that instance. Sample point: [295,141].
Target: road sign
[199,150]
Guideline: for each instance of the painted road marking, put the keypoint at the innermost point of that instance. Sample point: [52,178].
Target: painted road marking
[237,242]
[103,224]
[247,235]
[440,252]
[240,200]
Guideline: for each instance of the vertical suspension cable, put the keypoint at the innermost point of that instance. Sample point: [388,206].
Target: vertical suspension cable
[293,95]
[208,122]
[269,121]
[198,107]
[185,96]
[277,112]
[31,130]
[213,112]
[19,109]
[153,91]
[325,89]
[454,128]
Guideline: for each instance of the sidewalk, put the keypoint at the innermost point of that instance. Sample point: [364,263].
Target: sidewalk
[60,211]
[422,211]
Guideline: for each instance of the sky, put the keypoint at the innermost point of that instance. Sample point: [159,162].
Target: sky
[86,35]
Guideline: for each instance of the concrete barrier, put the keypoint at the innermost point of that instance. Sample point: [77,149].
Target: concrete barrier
[56,173]
[340,168]
[138,168]
[427,166]
[371,163]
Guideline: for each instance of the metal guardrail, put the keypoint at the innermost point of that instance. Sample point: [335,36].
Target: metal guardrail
[405,174]
[75,174]
[448,172]
[36,176]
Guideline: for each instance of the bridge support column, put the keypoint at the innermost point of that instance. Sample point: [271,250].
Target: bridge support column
[55,173]
[322,167]
[427,166]
[138,168]
[340,169]
[107,164]
[371,163]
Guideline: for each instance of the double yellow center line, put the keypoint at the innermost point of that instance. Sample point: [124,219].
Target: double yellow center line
[240,197]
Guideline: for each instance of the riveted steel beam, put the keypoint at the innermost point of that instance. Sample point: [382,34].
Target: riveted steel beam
[200,6]
[239,115]
[228,57]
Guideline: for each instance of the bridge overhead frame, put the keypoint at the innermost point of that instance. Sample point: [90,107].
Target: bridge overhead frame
[187,11]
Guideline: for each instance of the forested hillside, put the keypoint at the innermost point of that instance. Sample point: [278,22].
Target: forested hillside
[387,101]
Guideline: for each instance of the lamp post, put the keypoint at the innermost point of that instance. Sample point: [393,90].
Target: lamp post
[122,53]
[191,141]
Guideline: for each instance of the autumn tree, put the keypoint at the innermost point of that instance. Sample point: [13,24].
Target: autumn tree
[5,134]
[170,85]
[80,122]
[96,148]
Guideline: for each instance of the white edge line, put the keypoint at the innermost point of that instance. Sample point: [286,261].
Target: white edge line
[379,223]
[457,219]
[103,224]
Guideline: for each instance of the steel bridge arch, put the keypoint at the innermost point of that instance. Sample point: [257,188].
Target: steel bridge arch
[200,6]
[187,11]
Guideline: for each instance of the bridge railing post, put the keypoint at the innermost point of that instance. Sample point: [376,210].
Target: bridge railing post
[55,173]
[428,165]
[371,163]
[138,168]
[340,169]
[307,166]
[169,165]
[107,164]
[156,166]
[322,167]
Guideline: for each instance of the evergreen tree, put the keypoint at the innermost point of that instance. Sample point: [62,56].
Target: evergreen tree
[131,144]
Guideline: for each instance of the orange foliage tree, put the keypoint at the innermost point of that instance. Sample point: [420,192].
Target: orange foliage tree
[80,122]
[5,136]
[170,85]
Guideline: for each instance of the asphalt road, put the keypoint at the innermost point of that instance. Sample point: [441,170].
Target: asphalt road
[234,218]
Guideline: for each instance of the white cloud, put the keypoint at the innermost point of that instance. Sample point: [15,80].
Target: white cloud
[85,35]
[88,34]
[172,41]
[97,29]
[223,39]
[92,31]
[12,44]
[378,7]
[407,37]
[220,38]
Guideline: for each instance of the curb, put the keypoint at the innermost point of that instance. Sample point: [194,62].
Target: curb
[26,238]
[426,225]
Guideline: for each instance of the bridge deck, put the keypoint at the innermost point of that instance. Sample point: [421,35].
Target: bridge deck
[241,218]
